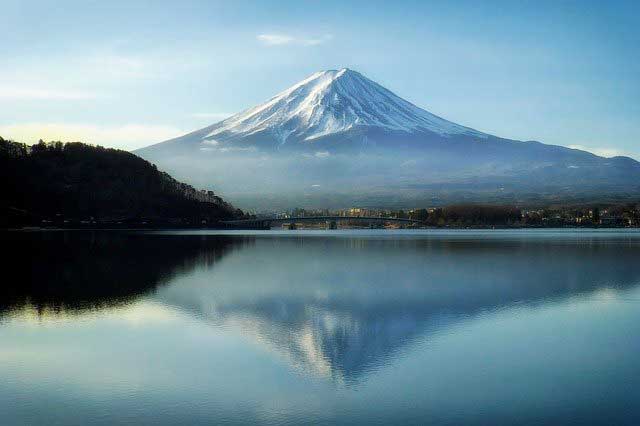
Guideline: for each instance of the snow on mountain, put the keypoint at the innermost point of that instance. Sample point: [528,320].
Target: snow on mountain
[330,102]
[338,138]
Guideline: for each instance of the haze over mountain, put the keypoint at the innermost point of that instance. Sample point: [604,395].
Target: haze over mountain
[337,138]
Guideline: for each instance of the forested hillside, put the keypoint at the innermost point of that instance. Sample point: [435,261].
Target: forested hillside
[64,183]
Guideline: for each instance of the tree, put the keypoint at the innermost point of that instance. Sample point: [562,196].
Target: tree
[76,181]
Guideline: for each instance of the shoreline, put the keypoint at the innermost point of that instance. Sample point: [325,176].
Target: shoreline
[431,228]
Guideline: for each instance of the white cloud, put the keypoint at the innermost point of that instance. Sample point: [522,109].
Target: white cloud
[275,39]
[238,149]
[32,93]
[78,77]
[601,151]
[321,154]
[126,136]
[284,39]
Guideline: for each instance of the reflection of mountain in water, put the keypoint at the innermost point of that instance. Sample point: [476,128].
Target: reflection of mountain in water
[77,271]
[337,307]
[343,307]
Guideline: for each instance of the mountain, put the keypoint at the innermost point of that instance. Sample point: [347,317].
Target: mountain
[76,183]
[327,103]
[339,138]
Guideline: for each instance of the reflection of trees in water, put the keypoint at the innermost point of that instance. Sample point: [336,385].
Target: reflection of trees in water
[77,271]
[339,307]
[343,307]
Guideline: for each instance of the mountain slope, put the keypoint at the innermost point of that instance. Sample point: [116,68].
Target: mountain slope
[73,182]
[331,102]
[337,133]
[324,104]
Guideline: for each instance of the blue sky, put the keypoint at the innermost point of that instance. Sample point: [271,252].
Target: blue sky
[128,74]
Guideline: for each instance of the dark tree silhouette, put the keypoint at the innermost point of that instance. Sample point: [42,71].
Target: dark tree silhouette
[78,182]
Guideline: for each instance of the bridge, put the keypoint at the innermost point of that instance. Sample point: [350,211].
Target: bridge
[268,222]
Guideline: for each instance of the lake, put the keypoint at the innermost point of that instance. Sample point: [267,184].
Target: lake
[320,327]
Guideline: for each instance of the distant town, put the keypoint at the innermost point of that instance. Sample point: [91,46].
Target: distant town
[462,216]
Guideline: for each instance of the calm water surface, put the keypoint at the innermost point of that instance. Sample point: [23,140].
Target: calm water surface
[344,327]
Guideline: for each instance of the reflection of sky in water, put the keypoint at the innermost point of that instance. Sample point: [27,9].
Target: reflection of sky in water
[337,329]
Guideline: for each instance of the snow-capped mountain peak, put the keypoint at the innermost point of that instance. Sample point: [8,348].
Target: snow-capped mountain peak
[337,138]
[330,102]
